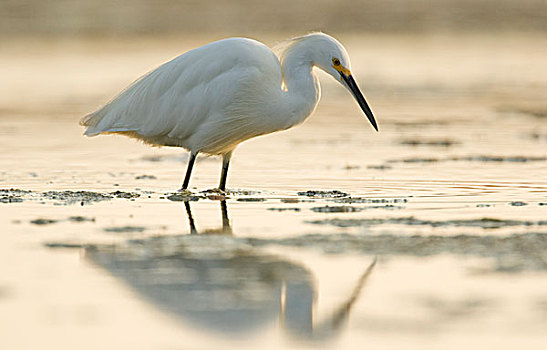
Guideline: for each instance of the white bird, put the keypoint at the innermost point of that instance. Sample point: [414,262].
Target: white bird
[210,99]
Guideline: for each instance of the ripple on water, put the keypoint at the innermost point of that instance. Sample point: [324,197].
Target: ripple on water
[13,195]
[432,143]
[512,253]
[46,221]
[124,229]
[64,197]
[472,158]
[323,194]
[352,209]
[485,223]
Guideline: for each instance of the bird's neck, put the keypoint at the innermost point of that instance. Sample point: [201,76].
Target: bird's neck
[302,89]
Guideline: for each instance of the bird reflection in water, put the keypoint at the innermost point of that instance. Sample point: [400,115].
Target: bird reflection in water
[226,228]
[223,284]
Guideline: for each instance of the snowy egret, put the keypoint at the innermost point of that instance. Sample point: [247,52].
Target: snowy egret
[210,99]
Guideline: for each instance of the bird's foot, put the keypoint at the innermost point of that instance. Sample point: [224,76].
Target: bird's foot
[184,195]
[215,194]
[215,191]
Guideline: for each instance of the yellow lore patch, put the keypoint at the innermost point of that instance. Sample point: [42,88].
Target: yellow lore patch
[342,69]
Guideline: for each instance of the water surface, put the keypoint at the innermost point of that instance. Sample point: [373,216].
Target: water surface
[431,233]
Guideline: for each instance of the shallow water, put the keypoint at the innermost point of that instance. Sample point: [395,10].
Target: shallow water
[430,234]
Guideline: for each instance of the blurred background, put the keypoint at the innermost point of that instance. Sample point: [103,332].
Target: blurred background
[66,18]
[81,52]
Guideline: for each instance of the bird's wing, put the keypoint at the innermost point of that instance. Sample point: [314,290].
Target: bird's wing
[175,98]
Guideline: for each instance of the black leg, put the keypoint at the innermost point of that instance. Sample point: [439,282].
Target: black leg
[225,220]
[224,174]
[189,170]
[190,218]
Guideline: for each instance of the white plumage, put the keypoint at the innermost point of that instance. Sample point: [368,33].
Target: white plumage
[212,98]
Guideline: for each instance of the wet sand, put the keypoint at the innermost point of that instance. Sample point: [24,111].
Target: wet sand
[430,234]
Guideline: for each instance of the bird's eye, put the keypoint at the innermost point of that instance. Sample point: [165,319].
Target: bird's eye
[336,61]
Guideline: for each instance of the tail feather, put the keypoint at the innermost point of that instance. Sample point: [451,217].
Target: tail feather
[91,121]
[94,126]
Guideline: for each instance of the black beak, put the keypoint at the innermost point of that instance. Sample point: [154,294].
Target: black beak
[350,82]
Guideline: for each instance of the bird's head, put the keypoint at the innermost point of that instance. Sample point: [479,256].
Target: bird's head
[330,56]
